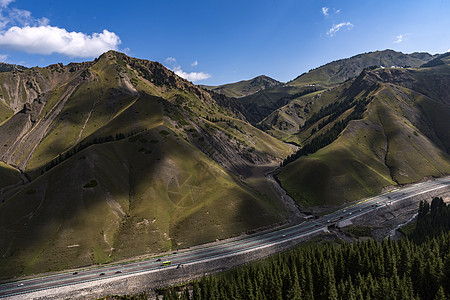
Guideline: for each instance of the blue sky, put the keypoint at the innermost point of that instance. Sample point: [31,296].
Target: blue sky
[220,41]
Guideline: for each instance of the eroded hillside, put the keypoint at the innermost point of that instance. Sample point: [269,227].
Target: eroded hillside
[385,127]
[120,157]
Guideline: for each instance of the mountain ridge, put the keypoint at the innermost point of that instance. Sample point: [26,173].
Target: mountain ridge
[124,158]
[244,87]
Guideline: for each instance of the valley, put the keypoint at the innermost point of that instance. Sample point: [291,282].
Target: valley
[120,158]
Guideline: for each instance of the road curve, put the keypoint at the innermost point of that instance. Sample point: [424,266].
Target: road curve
[250,243]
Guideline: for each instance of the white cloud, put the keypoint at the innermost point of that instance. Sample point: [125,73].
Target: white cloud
[22,32]
[5,3]
[337,11]
[48,39]
[170,60]
[399,38]
[18,17]
[3,57]
[193,76]
[325,11]
[335,28]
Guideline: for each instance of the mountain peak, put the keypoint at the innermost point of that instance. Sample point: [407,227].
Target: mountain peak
[245,87]
[343,69]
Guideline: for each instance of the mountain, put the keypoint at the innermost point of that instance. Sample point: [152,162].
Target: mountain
[385,127]
[245,87]
[262,104]
[4,67]
[120,157]
[343,69]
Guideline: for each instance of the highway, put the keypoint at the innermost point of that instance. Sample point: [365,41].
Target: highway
[249,243]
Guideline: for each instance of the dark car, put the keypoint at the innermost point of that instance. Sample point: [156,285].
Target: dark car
[159,259]
[74,273]
[101,274]
[118,272]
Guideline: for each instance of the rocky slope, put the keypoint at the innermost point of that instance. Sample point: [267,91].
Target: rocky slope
[120,157]
[385,127]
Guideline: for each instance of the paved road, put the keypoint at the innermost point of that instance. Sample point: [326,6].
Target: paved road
[246,244]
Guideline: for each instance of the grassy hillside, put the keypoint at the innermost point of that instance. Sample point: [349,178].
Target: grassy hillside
[400,139]
[9,177]
[263,103]
[154,191]
[125,159]
[245,87]
[343,69]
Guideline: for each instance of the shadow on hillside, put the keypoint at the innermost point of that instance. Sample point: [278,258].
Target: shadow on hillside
[73,215]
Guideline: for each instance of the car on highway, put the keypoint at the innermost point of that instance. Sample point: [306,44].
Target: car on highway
[118,272]
[74,273]
[283,235]
[167,263]
[20,284]
[159,259]
[101,274]
[349,213]
[344,210]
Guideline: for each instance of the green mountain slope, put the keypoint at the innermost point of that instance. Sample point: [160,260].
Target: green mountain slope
[244,87]
[260,105]
[401,137]
[343,69]
[125,159]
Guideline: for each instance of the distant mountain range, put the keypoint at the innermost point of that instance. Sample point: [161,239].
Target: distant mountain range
[343,69]
[119,157]
[245,87]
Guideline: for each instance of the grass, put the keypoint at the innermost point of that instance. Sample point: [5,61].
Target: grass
[5,112]
[378,151]
[408,228]
[174,197]
[8,175]
[358,231]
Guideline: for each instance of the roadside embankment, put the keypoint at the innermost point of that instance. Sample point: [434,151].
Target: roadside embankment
[153,279]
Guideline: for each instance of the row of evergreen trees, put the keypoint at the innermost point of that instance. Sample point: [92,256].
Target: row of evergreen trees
[431,220]
[404,269]
[81,146]
[330,136]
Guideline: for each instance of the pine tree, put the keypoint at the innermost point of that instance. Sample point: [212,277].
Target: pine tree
[440,295]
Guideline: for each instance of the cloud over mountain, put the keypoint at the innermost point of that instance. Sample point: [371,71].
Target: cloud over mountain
[48,40]
[20,31]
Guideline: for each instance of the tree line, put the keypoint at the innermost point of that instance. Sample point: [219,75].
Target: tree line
[83,145]
[329,136]
[404,269]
